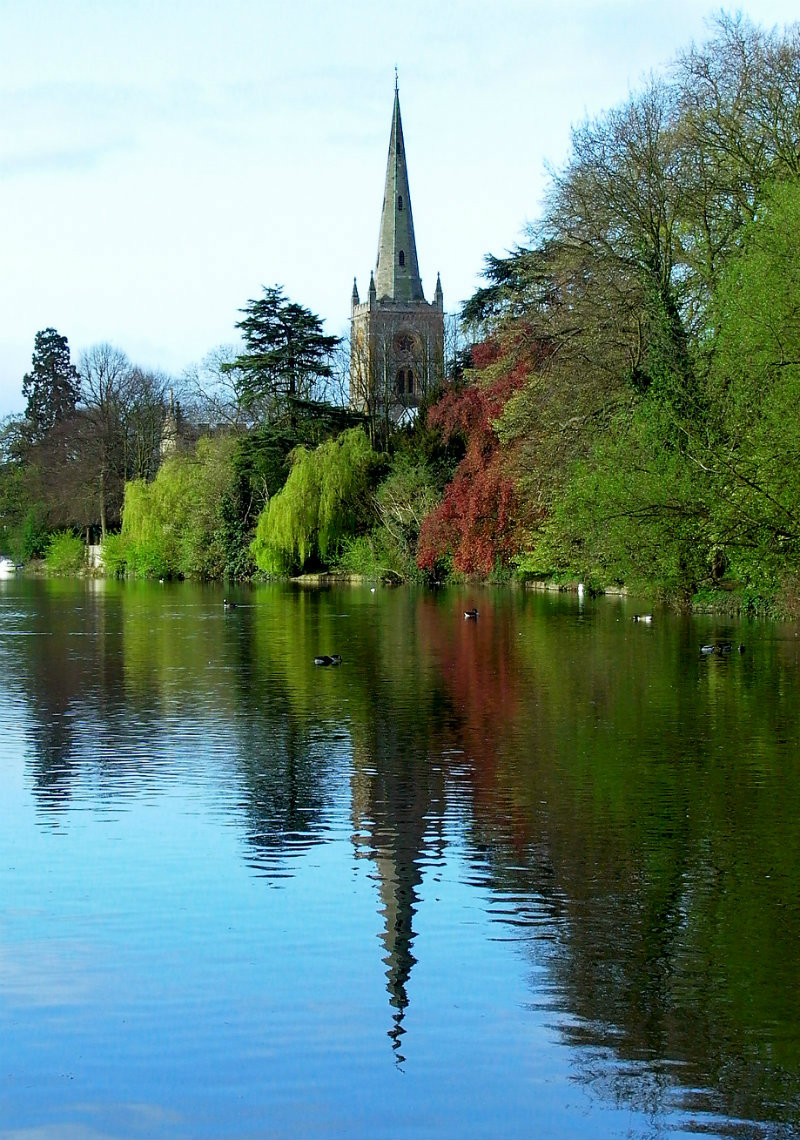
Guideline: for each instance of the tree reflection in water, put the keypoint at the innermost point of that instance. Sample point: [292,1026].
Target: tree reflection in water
[630,807]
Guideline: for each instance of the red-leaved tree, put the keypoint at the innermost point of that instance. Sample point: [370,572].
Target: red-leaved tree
[479,518]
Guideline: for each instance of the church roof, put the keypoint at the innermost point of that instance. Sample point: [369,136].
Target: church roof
[397,273]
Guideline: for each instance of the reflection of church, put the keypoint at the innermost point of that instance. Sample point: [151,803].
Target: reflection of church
[395,797]
[397,338]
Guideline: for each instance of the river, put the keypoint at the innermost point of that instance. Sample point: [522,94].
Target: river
[534,873]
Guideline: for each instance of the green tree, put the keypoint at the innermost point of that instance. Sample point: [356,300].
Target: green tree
[173,525]
[755,390]
[287,358]
[327,497]
[52,387]
[622,442]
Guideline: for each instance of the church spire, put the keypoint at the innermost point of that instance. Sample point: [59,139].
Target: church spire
[397,273]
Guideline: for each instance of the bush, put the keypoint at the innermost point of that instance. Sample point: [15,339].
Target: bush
[115,555]
[65,553]
[359,556]
[32,539]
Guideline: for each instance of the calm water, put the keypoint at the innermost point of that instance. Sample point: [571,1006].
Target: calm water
[537,874]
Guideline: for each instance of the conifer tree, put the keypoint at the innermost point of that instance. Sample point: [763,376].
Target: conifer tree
[51,388]
[287,354]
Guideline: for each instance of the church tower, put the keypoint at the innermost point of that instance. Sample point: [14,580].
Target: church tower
[397,338]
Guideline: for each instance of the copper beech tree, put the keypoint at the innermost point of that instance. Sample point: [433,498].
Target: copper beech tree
[479,521]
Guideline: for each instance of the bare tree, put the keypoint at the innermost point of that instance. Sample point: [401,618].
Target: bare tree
[215,389]
[105,392]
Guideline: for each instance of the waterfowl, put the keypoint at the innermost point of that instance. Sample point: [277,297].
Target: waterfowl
[470,614]
[226,605]
[325,659]
[721,648]
[643,617]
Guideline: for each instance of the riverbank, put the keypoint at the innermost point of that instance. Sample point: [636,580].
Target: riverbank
[729,598]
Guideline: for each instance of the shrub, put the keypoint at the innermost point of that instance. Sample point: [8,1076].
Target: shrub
[65,553]
[115,555]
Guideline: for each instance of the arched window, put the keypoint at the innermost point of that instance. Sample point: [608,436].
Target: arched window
[399,201]
[401,381]
[410,380]
[402,258]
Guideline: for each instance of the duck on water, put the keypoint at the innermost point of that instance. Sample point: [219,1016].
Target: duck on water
[325,659]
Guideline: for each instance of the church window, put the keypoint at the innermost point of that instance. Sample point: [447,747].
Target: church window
[402,258]
[401,381]
[399,201]
[410,380]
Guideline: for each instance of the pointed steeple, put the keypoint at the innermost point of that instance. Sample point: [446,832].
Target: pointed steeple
[397,272]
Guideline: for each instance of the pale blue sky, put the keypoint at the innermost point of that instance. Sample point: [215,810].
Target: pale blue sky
[159,162]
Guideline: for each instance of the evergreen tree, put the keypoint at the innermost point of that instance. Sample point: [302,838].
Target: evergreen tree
[287,357]
[51,388]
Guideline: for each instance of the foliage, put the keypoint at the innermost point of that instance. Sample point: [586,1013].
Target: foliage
[172,525]
[655,439]
[65,553]
[326,498]
[115,558]
[755,388]
[287,355]
[32,535]
[404,499]
[83,435]
[478,520]
[634,513]
[51,388]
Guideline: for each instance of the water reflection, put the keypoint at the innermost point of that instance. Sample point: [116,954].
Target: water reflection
[627,807]
[397,808]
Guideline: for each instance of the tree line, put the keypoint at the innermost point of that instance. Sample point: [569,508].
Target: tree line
[626,411]
[644,345]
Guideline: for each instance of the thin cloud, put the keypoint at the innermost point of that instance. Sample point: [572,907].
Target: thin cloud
[76,161]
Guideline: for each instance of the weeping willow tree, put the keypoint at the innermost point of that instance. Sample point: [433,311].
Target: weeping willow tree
[326,499]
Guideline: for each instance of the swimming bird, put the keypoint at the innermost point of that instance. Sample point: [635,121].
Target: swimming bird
[643,617]
[325,659]
[226,605]
[470,614]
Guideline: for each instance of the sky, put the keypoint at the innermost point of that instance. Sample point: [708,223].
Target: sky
[161,162]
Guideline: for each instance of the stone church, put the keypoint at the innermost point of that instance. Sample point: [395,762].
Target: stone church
[397,337]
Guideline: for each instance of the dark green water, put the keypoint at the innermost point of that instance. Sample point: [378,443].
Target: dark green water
[534,874]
